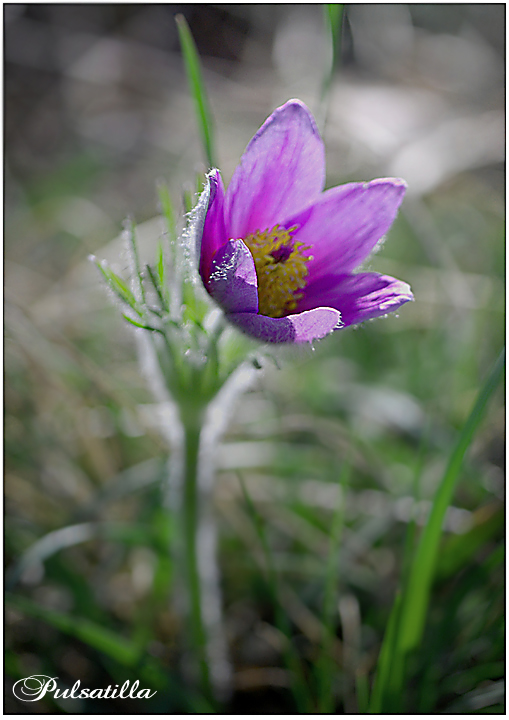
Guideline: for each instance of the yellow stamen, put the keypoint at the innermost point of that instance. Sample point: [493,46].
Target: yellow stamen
[281,268]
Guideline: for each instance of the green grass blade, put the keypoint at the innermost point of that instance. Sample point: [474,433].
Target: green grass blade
[329,605]
[162,276]
[333,15]
[411,531]
[300,689]
[408,615]
[334,20]
[122,651]
[385,664]
[459,549]
[389,668]
[417,591]
[362,693]
[116,647]
[197,87]
[326,665]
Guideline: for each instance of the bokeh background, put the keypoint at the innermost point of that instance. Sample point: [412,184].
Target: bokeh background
[96,111]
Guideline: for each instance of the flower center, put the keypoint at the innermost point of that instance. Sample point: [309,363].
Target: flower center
[281,269]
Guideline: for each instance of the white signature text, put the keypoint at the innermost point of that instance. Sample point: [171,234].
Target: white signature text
[36,687]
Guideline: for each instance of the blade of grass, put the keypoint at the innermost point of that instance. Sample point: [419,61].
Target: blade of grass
[459,549]
[325,664]
[411,531]
[389,668]
[362,693]
[386,659]
[387,673]
[333,15]
[162,276]
[197,87]
[416,594]
[329,605]
[334,20]
[118,648]
[408,615]
[300,689]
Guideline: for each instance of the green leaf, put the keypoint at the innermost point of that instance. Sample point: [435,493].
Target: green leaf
[158,287]
[137,281]
[139,324]
[194,76]
[160,265]
[118,286]
[169,216]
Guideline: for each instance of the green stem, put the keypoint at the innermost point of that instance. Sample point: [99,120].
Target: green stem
[333,13]
[190,518]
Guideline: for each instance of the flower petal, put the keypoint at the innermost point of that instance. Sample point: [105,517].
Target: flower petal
[302,327]
[282,169]
[232,282]
[214,234]
[358,297]
[344,224]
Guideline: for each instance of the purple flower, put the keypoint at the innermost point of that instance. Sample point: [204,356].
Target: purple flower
[278,254]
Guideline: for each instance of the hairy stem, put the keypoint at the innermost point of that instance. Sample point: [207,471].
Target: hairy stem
[191,523]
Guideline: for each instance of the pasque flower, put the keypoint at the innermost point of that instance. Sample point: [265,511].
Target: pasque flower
[278,254]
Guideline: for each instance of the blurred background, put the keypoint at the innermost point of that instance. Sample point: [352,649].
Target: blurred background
[96,111]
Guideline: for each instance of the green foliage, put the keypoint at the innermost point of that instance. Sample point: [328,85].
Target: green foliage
[118,287]
[198,92]
[90,633]
[408,616]
[334,17]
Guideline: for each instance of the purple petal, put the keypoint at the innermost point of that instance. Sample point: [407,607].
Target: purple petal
[302,327]
[282,169]
[357,297]
[232,282]
[344,224]
[214,233]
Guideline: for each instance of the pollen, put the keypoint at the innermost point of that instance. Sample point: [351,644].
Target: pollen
[281,269]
